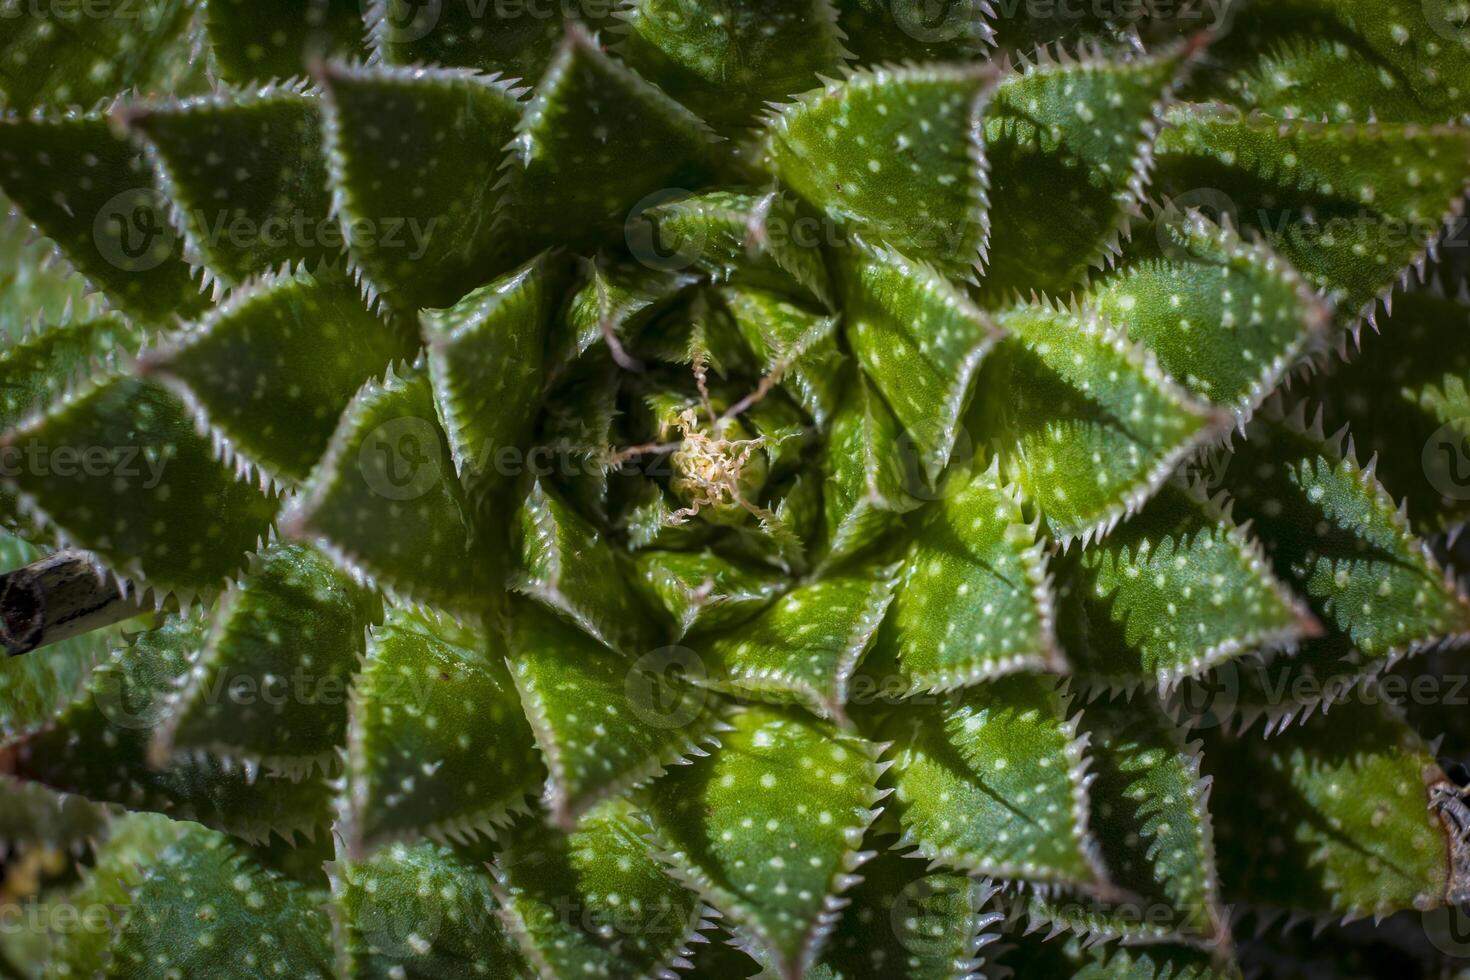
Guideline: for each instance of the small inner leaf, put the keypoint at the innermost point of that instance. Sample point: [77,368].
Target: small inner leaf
[704,592]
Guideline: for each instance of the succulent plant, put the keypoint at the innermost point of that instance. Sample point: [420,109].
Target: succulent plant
[820,488]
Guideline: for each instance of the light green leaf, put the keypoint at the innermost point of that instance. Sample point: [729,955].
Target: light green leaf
[91,191]
[895,153]
[704,592]
[1084,423]
[416,157]
[1068,142]
[245,174]
[991,780]
[595,901]
[797,347]
[384,501]
[271,684]
[973,600]
[806,646]
[270,370]
[919,340]
[573,568]
[769,829]
[1330,818]
[1349,205]
[438,744]
[119,469]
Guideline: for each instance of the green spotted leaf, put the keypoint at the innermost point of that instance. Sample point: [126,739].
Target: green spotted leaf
[1336,535]
[1346,60]
[438,742]
[36,288]
[973,600]
[271,683]
[792,344]
[570,188]
[604,723]
[72,55]
[38,815]
[516,39]
[867,485]
[769,829]
[919,340]
[1084,423]
[726,68]
[990,780]
[892,30]
[229,914]
[385,503]
[929,924]
[896,154]
[1148,812]
[256,40]
[117,467]
[421,910]
[763,242]
[98,747]
[806,646]
[486,364]
[271,369]
[573,568]
[1068,143]
[616,299]
[1348,832]
[595,901]
[1226,318]
[1351,206]
[246,179]
[704,592]
[416,157]
[1179,589]
[1406,395]
[1038,956]
[91,191]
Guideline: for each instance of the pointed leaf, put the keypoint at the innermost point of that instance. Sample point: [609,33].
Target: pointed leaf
[595,901]
[796,346]
[486,364]
[1226,318]
[973,599]
[98,747]
[246,178]
[119,469]
[270,370]
[438,743]
[919,340]
[91,191]
[1084,423]
[264,39]
[1347,831]
[1177,590]
[65,55]
[415,157]
[1364,198]
[1038,956]
[896,153]
[570,566]
[991,780]
[271,683]
[1068,143]
[385,503]
[804,648]
[641,142]
[704,592]
[37,815]
[769,828]
[617,299]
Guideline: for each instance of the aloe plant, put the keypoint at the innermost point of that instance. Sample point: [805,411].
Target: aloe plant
[821,489]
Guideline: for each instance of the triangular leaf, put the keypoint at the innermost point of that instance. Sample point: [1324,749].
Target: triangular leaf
[704,592]
[415,157]
[438,743]
[769,829]
[897,154]
[1039,956]
[798,347]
